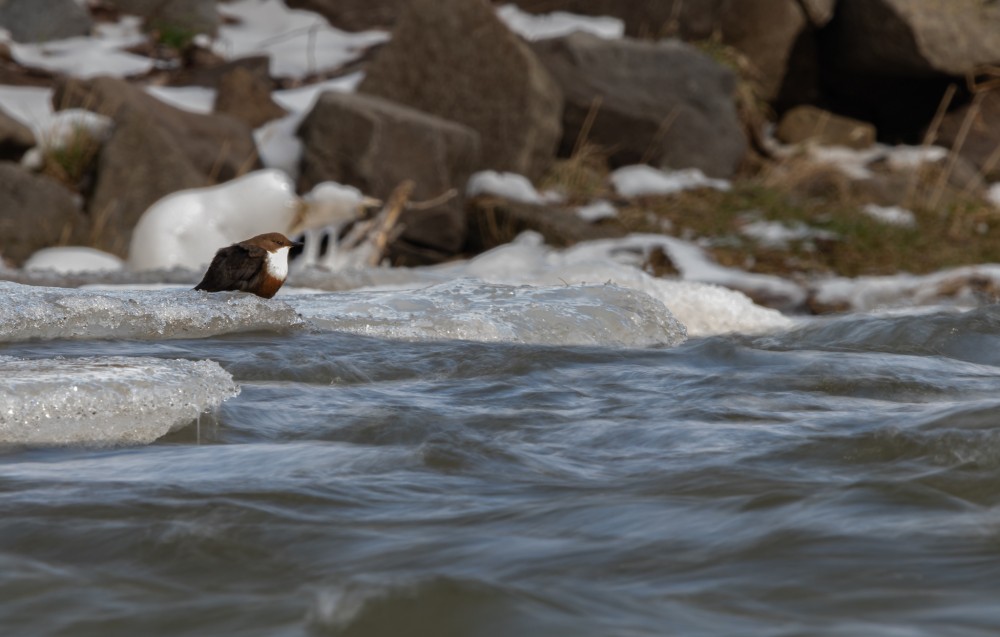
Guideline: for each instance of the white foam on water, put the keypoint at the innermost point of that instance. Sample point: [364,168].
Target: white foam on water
[465,309]
[30,312]
[105,401]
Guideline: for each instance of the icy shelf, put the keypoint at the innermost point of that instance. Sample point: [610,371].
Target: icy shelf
[105,401]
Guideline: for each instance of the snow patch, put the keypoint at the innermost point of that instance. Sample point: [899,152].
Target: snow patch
[642,180]
[891,215]
[73,260]
[510,186]
[559,23]
[299,42]
[89,56]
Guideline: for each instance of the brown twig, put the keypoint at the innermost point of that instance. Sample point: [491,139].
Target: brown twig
[430,203]
[588,123]
[963,133]
[930,137]
[389,217]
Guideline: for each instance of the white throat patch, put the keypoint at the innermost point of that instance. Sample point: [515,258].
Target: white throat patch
[277,263]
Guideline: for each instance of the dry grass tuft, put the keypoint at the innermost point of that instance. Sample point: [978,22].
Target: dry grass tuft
[72,161]
[581,178]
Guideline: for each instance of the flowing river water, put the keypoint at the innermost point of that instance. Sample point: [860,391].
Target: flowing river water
[483,460]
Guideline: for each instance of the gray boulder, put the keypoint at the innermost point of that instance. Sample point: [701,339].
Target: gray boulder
[767,32]
[209,74]
[246,96]
[456,60]
[778,37]
[353,15]
[38,212]
[916,38]
[808,123]
[43,20]
[663,102]
[176,18]
[15,138]
[139,164]
[375,144]
[494,222]
[218,146]
[982,142]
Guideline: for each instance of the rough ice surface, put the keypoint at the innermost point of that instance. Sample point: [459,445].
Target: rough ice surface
[75,259]
[601,315]
[558,24]
[642,180]
[105,401]
[703,308]
[28,312]
[298,42]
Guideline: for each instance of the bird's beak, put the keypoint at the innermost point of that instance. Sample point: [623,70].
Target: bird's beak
[297,244]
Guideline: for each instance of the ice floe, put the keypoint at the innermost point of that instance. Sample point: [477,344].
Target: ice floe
[105,401]
[30,312]
[604,315]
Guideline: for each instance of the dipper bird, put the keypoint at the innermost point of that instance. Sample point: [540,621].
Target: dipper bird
[258,265]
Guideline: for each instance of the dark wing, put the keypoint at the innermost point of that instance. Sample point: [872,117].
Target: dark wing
[237,267]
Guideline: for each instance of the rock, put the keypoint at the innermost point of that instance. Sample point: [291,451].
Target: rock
[38,212]
[494,222]
[138,165]
[662,102]
[808,123]
[982,142]
[819,12]
[246,97]
[43,20]
[218,146]
[916,37]
[354,15]
[180,19]
[15,138]
[456,60]
[210,73]
[374,145]
[767,32]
